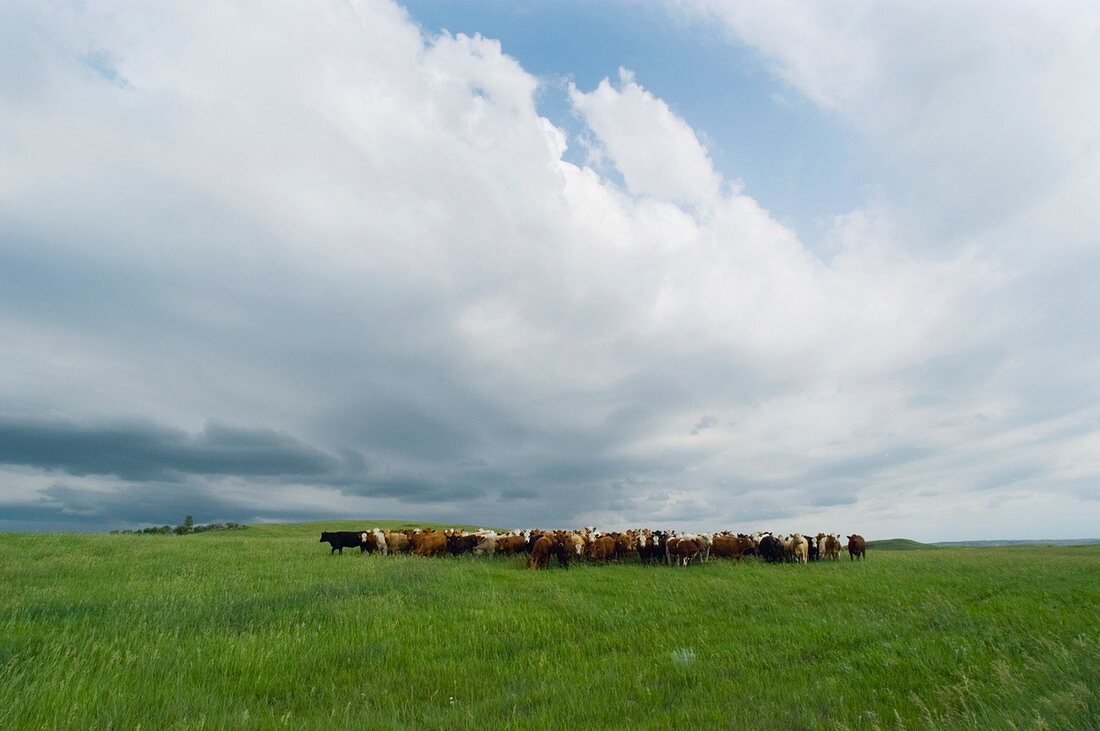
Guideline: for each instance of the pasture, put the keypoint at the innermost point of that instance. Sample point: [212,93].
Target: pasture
[261,628]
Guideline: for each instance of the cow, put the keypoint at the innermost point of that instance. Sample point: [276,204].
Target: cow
[379,539]
[576,540]
[857,547]
[602,548]
[813,547]
[510,544]
[459,543]
[683,549]
[341,539]
[786,543]
[397,541]
[624,543]
[770,549]
[830,546]
[799,548]
[727,546]
[540,553]
[429,543]
[705,542]
[367,542]
[702,541]
[650,548]
[487,546]
[564,548]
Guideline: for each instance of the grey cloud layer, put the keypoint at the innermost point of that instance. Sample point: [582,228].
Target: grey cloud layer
[352,272]
[142,451]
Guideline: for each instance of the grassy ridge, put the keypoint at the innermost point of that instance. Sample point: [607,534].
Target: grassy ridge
[896,544]
[262,629]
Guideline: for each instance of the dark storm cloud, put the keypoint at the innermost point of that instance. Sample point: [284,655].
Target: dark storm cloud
[73,508]
[139,450]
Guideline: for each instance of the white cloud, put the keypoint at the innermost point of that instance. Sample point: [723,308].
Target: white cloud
[319,221]
[658,154]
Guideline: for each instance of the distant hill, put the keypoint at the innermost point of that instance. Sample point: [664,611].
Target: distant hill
[898,544]
[1048,542]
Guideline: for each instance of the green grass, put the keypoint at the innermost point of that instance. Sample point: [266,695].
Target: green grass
[896,544]
[261,628]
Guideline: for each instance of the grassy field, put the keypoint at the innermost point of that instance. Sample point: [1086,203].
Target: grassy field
[261,628]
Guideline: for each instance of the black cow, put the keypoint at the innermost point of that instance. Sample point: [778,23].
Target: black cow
[654,551]
[562,549]
[814,553]
[341,539]
[462,544]
[770,549]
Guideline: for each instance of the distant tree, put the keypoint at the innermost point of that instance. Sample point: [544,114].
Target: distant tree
[187,526]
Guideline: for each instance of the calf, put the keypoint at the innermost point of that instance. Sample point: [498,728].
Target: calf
[857,547]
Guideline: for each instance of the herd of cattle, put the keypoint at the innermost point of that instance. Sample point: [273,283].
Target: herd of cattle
[648,546]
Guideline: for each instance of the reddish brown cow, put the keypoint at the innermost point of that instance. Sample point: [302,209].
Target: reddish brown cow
[729,547]
[624,543]
[683,550]
[602,548]
[829,546]
[540,553]
[857,547]
[510,544]
[429,543]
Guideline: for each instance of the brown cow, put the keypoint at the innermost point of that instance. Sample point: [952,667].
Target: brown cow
[396,541]
[575,543]
[726,546]
[602,548]
[683,549]
[429,543]
[510,544]
[540,553]
[857,547]
[829,546]
[564,547]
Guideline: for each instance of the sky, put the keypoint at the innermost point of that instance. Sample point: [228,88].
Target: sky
[687,264]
